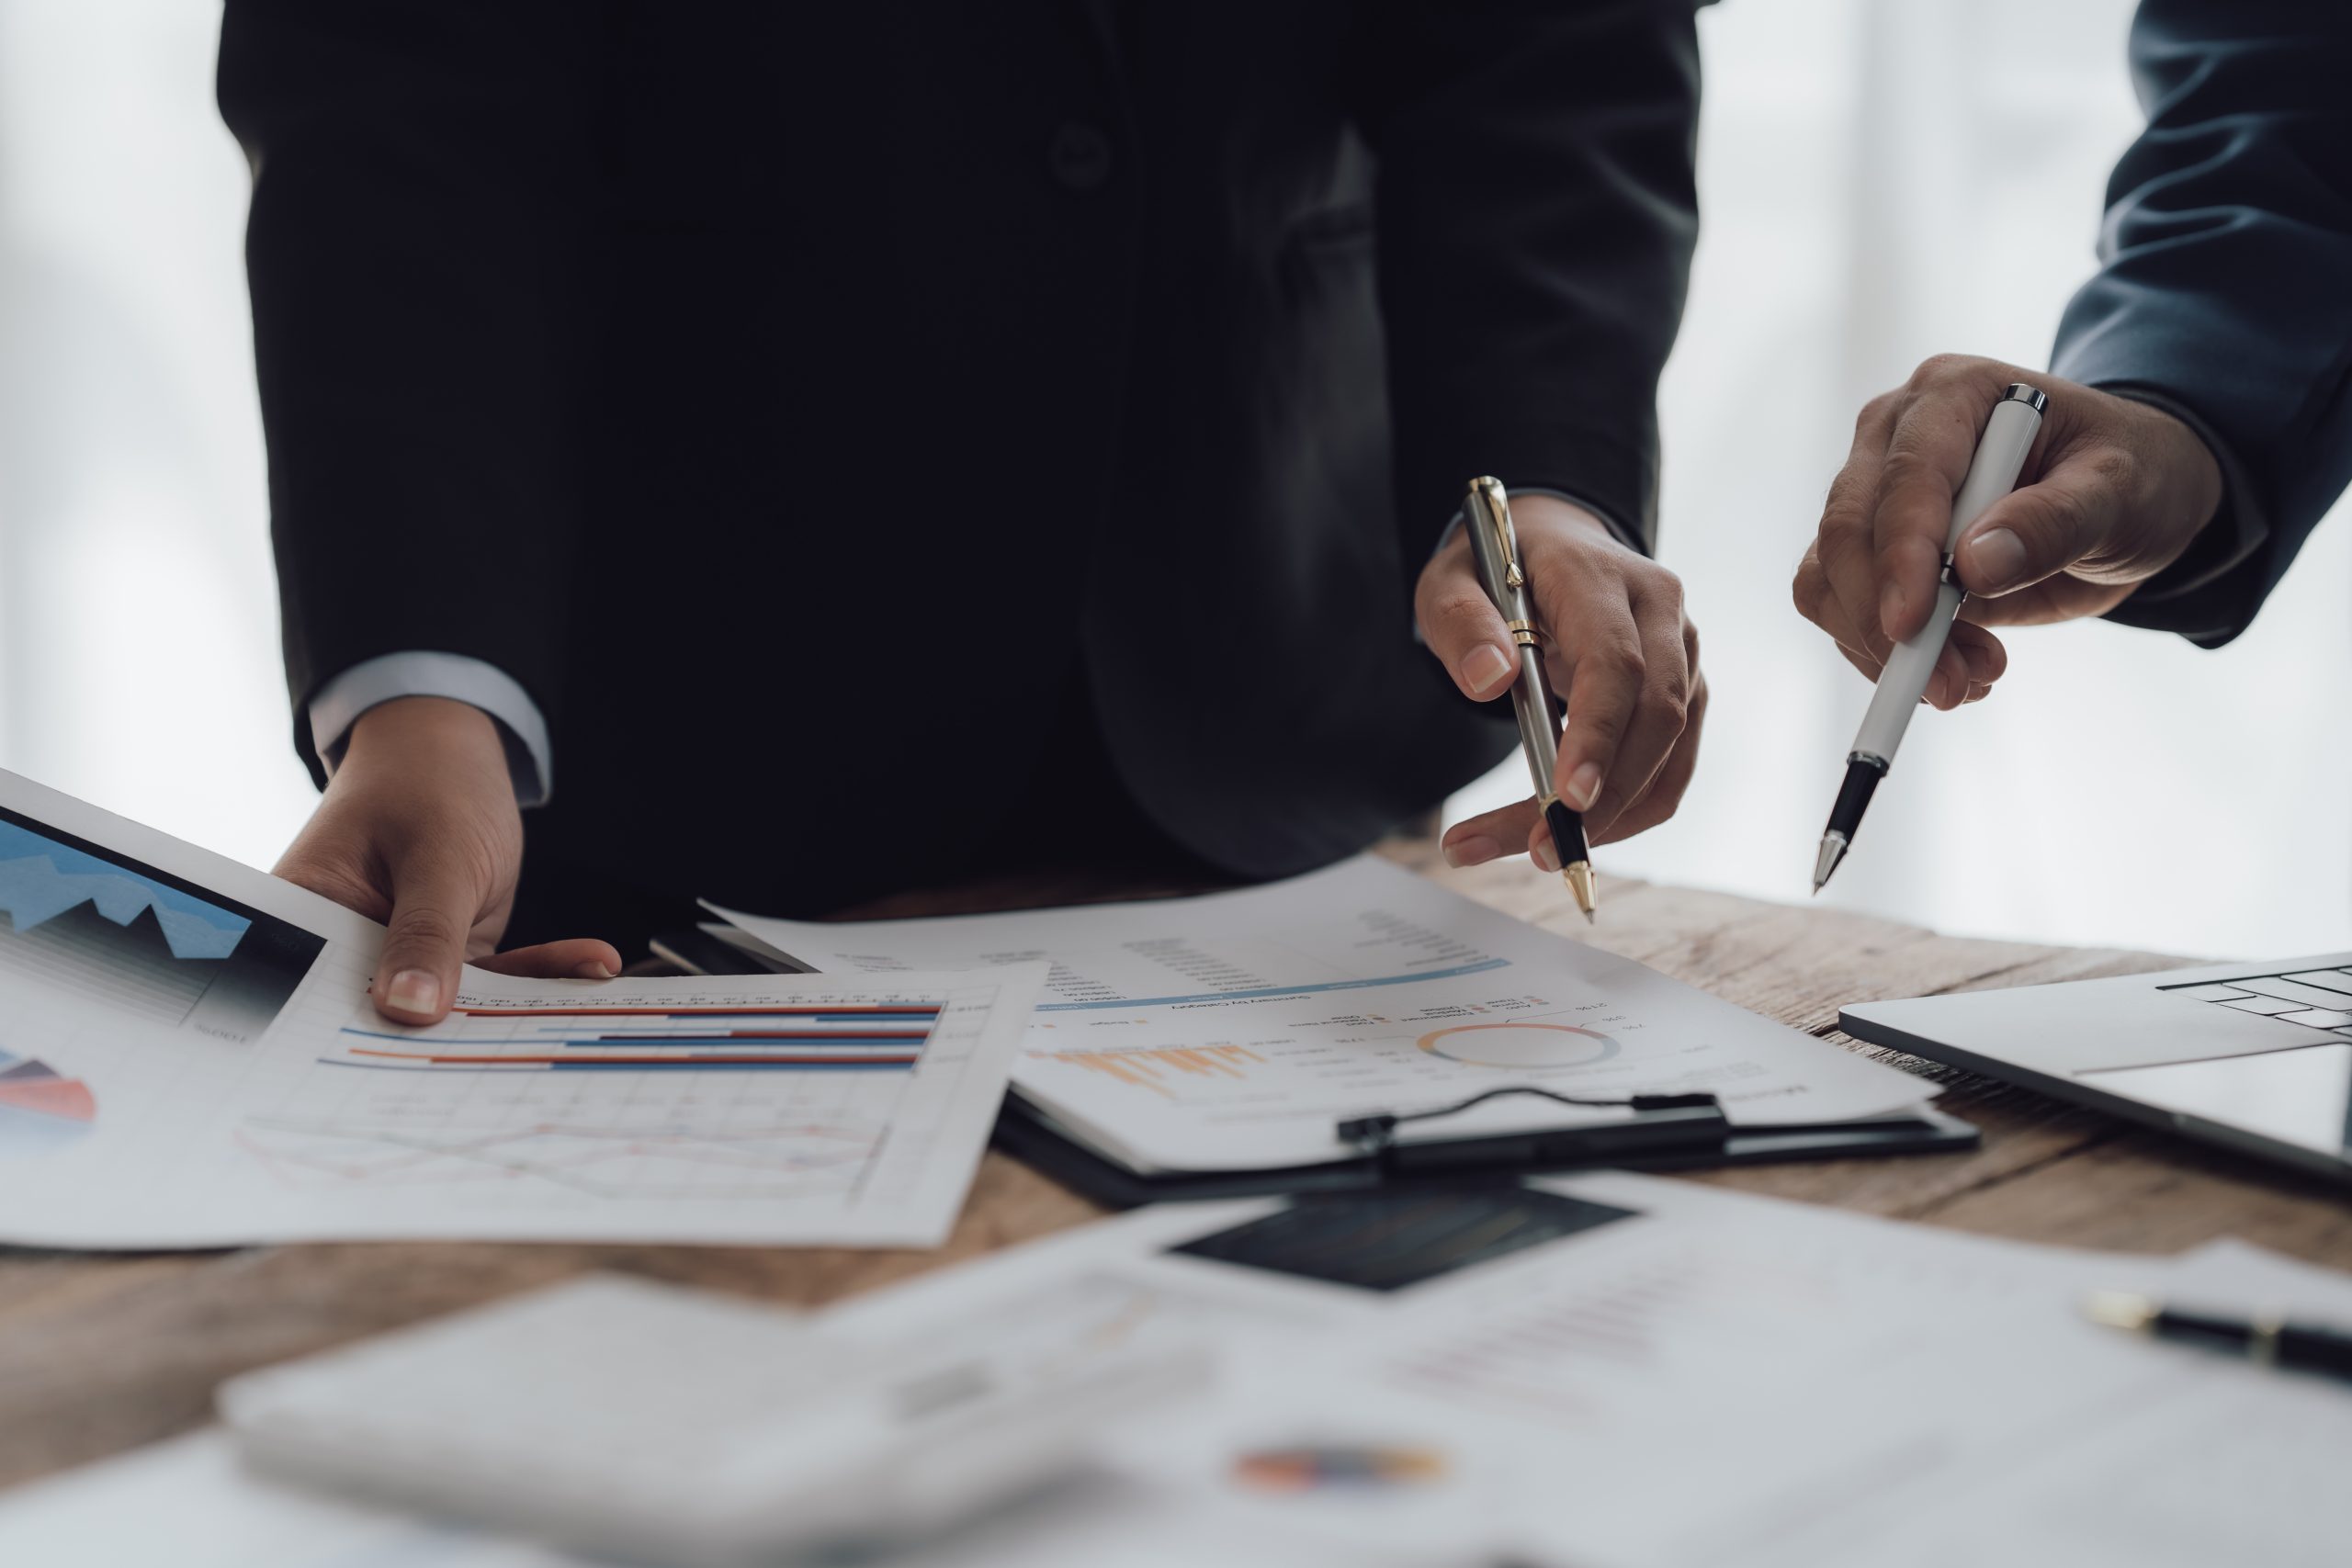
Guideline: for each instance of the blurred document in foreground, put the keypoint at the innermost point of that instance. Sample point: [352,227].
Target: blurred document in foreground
[1607,1372]
[1233,1030]
[188,1057]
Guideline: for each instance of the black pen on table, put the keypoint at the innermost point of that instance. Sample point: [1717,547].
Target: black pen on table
[2268,1340]
[1495,545]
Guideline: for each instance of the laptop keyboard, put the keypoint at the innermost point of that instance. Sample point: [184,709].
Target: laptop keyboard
[2317,998]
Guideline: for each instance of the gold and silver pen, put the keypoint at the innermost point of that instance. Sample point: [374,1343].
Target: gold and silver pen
[1496,546]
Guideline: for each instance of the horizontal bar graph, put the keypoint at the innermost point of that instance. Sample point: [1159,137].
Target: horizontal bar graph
[617,1060]
[838,1037]
[893,1037]
[838,1009]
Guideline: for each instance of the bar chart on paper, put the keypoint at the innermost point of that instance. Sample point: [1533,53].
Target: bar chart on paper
[780,1111]
[1430,1047]
[728,1099]
[846,1037]
[1236,1031]
[1267,1089]
[1161,1068]
[189,1056]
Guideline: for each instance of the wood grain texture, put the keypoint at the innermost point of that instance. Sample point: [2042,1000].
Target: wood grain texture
[99,1354]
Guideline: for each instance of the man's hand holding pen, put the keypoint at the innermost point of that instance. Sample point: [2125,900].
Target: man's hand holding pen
[1618,651]
[2115,490]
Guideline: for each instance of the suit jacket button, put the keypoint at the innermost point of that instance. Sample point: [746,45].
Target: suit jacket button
[1079,156]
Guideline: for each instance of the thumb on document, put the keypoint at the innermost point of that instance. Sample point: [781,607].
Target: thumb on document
[434,900]
[419,828]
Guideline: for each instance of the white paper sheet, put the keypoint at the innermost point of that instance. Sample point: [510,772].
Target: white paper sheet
[1788,1388]
[188,1058]
[190,1504]
[1721,1379]
[1231,1031]
[2199,1459]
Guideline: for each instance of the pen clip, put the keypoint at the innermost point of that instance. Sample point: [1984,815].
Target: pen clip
[1496,508]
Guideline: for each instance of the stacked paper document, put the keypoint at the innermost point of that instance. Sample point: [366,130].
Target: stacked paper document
[1234,1030]
[188,1057]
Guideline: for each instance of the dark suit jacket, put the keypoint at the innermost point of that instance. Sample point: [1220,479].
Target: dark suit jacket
[795,399]
[2227,289]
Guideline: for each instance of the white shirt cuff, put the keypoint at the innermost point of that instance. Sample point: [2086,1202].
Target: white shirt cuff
[339,703]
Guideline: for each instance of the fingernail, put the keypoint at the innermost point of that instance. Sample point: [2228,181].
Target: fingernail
[1476,849]
[1890,606]
[1997,557]
[1584,786]
[1544,855]
[595,969]
[413,990]
[1484,668]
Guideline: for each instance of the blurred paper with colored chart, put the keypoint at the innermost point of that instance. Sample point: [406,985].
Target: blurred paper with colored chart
[40,1107]
[1233,1030]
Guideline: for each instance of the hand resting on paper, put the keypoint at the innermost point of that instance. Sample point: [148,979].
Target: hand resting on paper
[419,829]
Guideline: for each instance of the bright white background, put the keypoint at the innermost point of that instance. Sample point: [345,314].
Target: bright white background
[1883,178]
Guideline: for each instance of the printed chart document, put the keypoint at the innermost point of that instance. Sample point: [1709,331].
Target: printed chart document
[1231,1031]
[188,1057]
[1770,1385]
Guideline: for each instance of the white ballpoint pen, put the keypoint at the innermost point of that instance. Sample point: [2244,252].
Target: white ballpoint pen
[2000,456]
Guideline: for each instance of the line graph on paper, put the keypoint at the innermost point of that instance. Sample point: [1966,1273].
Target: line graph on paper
[809,1158]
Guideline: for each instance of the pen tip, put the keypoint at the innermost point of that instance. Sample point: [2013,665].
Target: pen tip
[1577,874]
[1825,865]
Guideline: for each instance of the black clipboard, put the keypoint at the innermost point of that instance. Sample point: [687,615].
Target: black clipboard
[1023,1133]
[1028,1137]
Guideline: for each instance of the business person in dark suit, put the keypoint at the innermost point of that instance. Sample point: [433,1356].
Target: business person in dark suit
[865,446]
[2200,421]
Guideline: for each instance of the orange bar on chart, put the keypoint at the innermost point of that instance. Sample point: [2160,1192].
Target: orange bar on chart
[1137,1067]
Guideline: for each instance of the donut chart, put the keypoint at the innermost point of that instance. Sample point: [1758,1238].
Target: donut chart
[1520,1045]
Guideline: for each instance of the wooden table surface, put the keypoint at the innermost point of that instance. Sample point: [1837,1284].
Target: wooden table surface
[101,1353]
